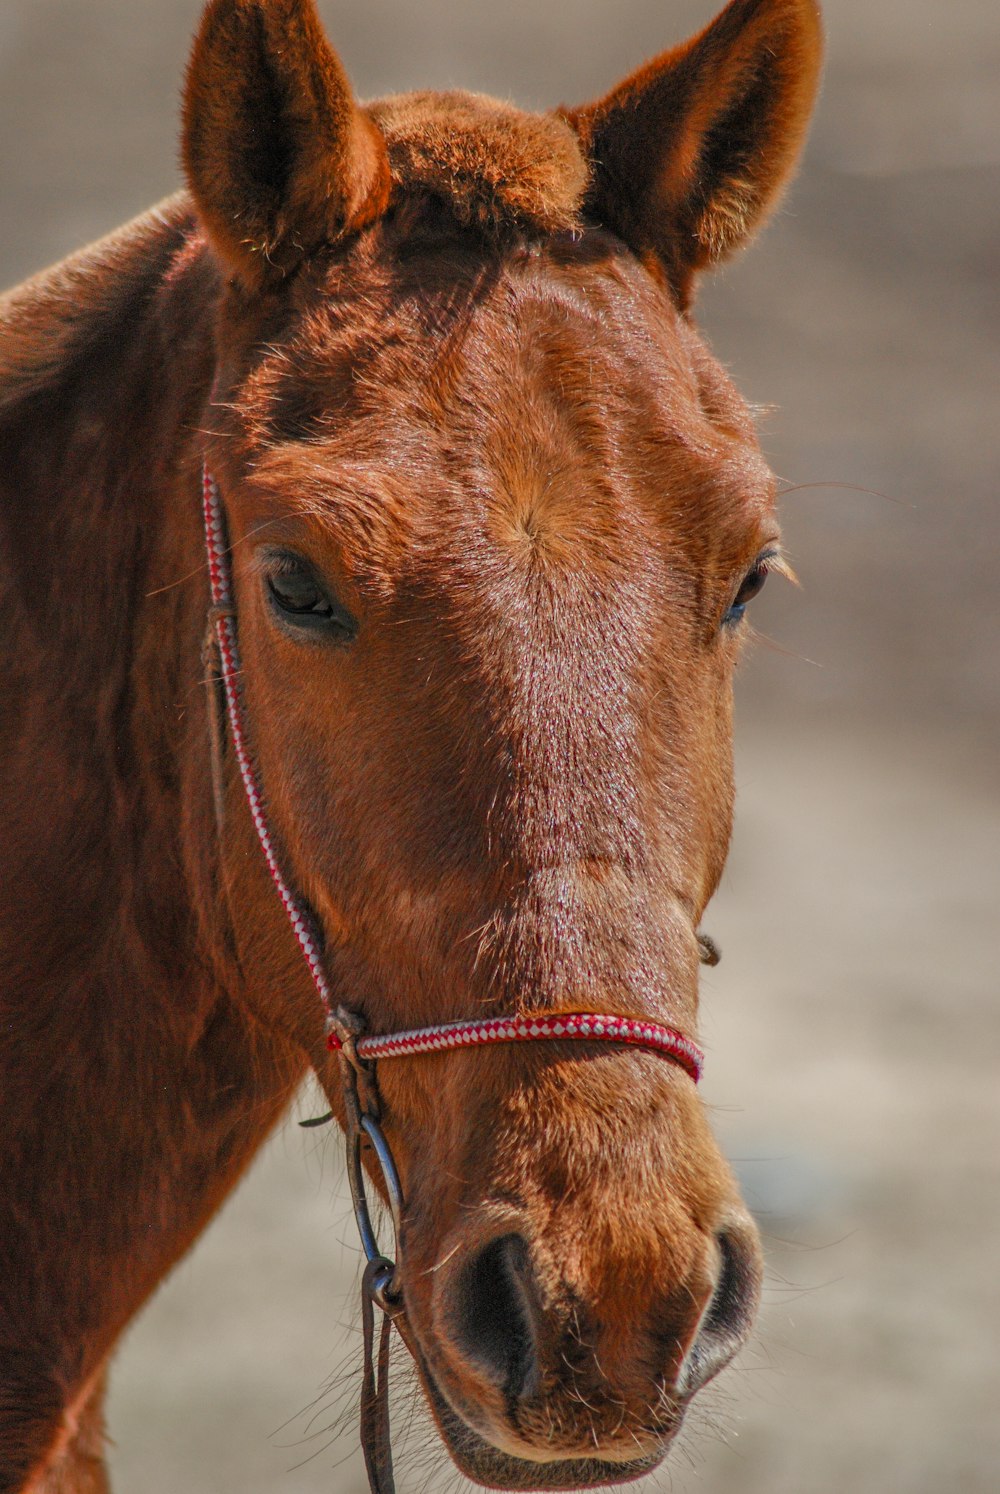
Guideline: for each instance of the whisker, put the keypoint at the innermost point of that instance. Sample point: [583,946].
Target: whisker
[202,569]
[774,647]
[844,487]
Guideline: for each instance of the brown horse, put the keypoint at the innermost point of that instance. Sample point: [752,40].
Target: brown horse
[495,514]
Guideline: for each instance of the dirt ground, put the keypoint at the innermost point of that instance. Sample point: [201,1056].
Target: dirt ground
[853,1028]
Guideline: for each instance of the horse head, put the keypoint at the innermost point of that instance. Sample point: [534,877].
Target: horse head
[495,515]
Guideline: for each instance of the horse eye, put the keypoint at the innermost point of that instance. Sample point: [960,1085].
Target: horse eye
[751,584]
[300,600]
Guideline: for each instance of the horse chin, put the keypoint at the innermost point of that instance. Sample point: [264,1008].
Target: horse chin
[493,1468]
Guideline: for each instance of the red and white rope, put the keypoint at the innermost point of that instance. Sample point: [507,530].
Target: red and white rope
[225,626]
[591,1027]
[594,1027]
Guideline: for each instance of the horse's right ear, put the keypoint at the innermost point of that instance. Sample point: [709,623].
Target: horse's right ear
[278,155]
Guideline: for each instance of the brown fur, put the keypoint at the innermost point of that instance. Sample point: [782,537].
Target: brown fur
[413,360]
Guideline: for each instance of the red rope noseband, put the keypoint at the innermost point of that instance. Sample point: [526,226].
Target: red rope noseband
[594,1027]
[591,1027]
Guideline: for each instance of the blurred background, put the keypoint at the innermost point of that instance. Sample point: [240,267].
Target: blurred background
[853,1028]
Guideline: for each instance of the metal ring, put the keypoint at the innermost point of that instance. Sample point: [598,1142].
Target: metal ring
[355,1169]
[380,1277]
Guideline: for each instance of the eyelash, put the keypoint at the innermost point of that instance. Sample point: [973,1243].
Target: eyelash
[314,609]
[749,587]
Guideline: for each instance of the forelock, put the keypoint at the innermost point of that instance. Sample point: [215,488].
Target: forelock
[494,166]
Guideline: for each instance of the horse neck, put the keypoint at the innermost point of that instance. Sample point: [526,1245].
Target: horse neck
[105,378]
[118,1016]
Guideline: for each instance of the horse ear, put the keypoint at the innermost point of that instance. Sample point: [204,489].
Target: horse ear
[689,154]
[279,157]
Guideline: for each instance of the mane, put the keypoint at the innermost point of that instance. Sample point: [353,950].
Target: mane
[495,167]
[51,319]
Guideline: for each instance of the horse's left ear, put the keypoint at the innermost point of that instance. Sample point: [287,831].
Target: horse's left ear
[279,157]
[690,152]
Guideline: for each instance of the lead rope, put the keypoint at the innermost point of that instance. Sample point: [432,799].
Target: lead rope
[345,1034]
[376,1434]
[378,1284]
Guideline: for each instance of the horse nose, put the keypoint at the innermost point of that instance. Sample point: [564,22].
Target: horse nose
[728,1318]
[491,1319]
[494,1318]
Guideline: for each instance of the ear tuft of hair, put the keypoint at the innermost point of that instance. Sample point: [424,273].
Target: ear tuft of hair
[692,151]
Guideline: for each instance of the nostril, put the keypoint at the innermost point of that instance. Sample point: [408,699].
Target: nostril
[732,1306]
[493,1320]
[728,1318]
